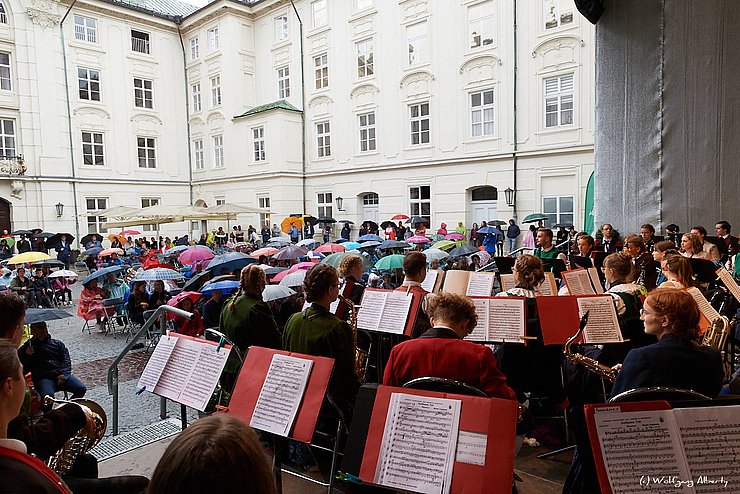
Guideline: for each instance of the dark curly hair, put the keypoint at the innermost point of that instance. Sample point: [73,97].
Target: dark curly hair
[318,281]
[530,270]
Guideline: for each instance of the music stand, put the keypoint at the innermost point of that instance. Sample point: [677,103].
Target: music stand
[705,271]
[556,266]
[580,262]
[504,264]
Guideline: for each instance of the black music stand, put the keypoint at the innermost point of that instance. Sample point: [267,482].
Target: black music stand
[580,262]
[704,270]
[556,266]
[504,264]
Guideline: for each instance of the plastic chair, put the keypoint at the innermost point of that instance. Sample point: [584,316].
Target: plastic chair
[668,394]
[443,385]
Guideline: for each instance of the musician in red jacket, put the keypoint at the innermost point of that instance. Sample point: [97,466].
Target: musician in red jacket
[442,352]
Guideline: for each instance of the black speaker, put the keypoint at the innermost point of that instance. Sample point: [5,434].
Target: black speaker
[590,9]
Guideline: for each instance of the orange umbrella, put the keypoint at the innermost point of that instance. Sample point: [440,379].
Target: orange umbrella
[120,238]
[285,224]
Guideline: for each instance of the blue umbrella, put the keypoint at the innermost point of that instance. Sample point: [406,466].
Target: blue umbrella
[371,243]
[369,237]
[351,245]
[91,251]
[490,229]
[226,286]
[103,272]
[229,262]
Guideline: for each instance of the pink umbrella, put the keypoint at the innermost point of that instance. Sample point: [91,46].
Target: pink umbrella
[126,233]
[177,299]
[454,236]
[483,256]
[418,239]
[330,248]
[301,266]
[265,251]
[108,252]
[189,256]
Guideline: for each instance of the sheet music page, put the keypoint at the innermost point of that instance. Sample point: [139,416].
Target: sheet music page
[603,324]
[419,442]
[456,281]
[471,448]
[578,282]
[704,306]
[507,282]
[711,440]
[157,363]
[641,451]
[206,373]
[429,280]
[729,282]
[480,285]
[371,309]
[480,333]
[395,312]
[506,320]
[281,394]
[177,372]
[595,281]
[333,306]
[549,286]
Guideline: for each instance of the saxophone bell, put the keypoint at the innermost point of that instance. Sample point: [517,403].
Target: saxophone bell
[590,364]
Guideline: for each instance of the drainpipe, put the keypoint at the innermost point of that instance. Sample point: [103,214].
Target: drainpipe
[187,112]
[515,156]
[69,123]
[303,112]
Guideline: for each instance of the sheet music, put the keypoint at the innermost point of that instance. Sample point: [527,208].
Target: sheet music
[638,447]
[507,282]
[456,281]
[281,394]
[506,320]
[549,287]
[595,280]
[704,306]
[711,441]
[430,280]
[371,309]
[480,285]
[480,332]
[471,448]
[396,312]
[206,373]
[176,373]
[603,324]
[729,282]
[333,306]
[578,282]
[419,442]
[157,362]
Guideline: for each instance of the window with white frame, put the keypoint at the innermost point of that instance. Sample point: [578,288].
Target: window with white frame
[198,157]
[365,63]
[321,70]
[143,93]
[216,91]
[363,4]
[480,24]
[417,41]
[92,149]
[7,137]
[323,140]
[94,220]
[5,82]
[86,28]
[147,151]
[420,202]
[194,49]
[139,41]
[195,91]
[219,200]
[557,13]
[559,101]
[324,201]
[258,143]
[212,39]
[283,80]
[367,131]
[319,13]
[88,83]
[558,209]
[147,202]
[281,27]
[263,202]
[370,199]
[481,113]
[419,118]
[218,151]
[3,14]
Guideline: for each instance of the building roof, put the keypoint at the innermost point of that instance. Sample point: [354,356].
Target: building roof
[168,9]
[275,105]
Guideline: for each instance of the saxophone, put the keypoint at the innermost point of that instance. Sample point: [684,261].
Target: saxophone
[361,356]
[590,364]
[716,336]
[85,439]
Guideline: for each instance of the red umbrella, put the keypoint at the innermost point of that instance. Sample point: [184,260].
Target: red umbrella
[189,256]
[400,217]
[152,262]
[130,232]
[330,248]
[177,300]
[108,252]
[305,266]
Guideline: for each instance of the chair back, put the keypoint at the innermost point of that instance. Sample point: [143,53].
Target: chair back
[443,385]
[658,393]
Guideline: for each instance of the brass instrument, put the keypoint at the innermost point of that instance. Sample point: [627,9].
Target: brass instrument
[362,357]
[590,364]
[716,336]
[85,439]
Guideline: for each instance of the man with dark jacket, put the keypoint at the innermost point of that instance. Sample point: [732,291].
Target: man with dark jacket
[63,251]
[23,245]
[512,232]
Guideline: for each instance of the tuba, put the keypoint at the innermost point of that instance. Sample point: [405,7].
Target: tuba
[85,439]
[362,357]
[590,364]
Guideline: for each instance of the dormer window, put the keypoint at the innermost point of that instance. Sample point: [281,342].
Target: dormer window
[139,41]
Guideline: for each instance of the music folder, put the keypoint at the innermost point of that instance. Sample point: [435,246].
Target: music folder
[252,378]
[560,316]
[389,311]
[505,265]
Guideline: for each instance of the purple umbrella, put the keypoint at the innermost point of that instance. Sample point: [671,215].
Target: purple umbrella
[454,236]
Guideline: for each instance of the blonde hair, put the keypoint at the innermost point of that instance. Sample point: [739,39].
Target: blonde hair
[349,264]
[696,243]
[252,279]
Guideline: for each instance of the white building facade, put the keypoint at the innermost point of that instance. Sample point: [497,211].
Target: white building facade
[412,107]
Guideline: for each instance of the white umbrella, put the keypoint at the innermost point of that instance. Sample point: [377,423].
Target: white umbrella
[294,279]
[435,254]
[157,274]
[276,292]
[63,273]
[306,242]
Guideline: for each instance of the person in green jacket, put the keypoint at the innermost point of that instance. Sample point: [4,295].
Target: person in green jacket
[316,331]
[247,321]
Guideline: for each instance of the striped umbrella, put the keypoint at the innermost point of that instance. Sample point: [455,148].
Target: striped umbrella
[155,274]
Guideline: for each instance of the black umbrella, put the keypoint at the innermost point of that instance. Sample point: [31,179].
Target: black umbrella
[21,232]
[327,219]
[195,283]
[563,225]
[48,262]
[496,222]
[463,250]
[52,241]
[311,220]
[36,230]
[223,277]
[415,220]
[386,224]
[42,315]
[84,240]
[43,235]
[346,221]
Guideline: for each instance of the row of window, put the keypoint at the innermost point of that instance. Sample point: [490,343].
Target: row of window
[88,85]
[94,205]
[86,29]
[93,150]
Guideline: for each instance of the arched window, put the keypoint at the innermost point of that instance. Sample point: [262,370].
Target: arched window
[369,199]
[486,193]
[3,14]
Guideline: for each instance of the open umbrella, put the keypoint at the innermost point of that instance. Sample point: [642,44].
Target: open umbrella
[43,315]
[563,225]
[115,236]
[417,220]
[369,237]
[444,244]
[130,232]
[308,219]
[531,218]
[393,244]
[48,262]
[198,280]
[335,259]
[108,252]
[52,241]
[91,251]
[285,224]
[435,254]
[418,239]
[103,272]
[226,286]
[21,232]
[157,274]
[463,250]
[489,229]
[385,263]
[483,256]
[177,299]
[454,236]
[43,235]
[9,241]
[276,292]
[327,219]
[330,248]
[84,240]
[294,279]
[301,266]
[399,217]
[346,221]
[230,261]
[351,245]
[189,256]
[265,251]
[28,257]
[290,252]
[496,222]
[63,273]
[370,244]
[308,243]
[371,225]
[176,249]
[386,224]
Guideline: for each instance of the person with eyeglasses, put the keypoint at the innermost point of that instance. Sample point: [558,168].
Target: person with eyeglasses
[676,361]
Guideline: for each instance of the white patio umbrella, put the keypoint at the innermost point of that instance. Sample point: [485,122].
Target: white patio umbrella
[294,279]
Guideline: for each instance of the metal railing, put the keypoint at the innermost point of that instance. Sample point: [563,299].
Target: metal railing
[113,369]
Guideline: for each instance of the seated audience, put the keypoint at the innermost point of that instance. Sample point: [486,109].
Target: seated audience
[21,285]
[138,302]
[91,304]
[159,296]
[192,327]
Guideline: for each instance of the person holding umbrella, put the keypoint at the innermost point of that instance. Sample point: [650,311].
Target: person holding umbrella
[5,251]
[63,250]
[23,245]
[192,327]
[346,231]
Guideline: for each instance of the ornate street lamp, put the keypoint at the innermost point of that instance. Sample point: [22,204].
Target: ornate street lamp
[60,209]
[510,196]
